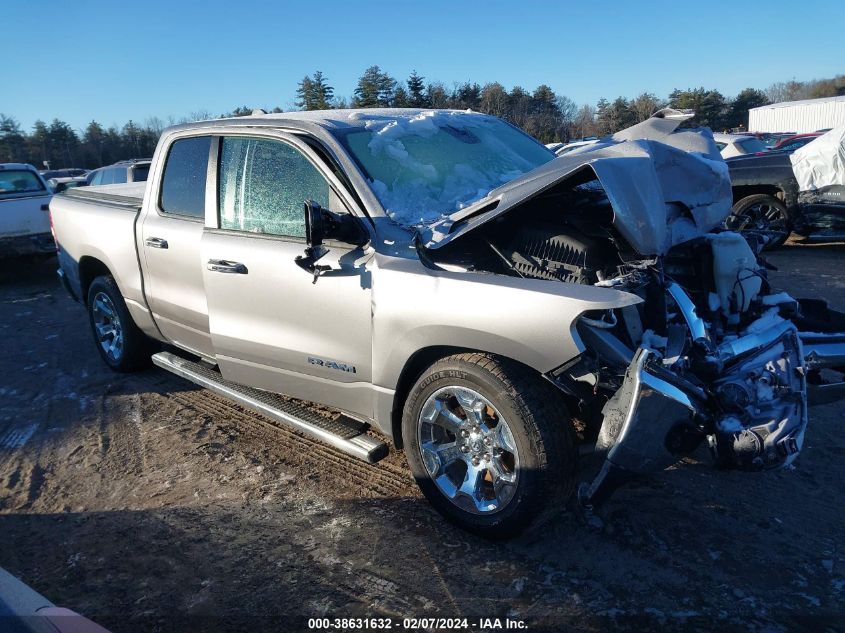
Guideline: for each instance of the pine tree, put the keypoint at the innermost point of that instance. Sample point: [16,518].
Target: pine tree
[416,91]
[467,95]
[366,92]
[744,101]
[321,93]
[92,142]
[305,94]
[375,89]
[400,97]
[12,140]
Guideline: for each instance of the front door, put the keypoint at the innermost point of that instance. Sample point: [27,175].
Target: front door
[271,326]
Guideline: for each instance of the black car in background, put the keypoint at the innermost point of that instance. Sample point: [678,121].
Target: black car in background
[767,201]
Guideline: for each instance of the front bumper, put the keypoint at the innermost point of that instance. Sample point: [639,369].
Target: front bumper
[753,415]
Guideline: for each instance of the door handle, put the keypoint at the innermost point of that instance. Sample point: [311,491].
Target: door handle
[224,266]
[155,242]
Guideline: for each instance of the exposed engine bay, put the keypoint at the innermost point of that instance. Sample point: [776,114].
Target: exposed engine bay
[712,353]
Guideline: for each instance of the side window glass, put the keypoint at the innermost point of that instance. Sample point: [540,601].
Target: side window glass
[263,185]
[108,177]
[97,179]
[140,173]
[119,175]
[185,171]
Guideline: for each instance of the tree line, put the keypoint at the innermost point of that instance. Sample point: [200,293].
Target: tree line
[542,113]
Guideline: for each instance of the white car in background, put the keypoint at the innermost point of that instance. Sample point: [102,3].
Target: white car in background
[737,145]
[24,216]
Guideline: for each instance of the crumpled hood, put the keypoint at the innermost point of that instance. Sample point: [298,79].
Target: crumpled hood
[665,187]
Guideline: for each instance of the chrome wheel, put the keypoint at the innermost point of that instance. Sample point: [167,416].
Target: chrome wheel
[468,450]
[763,216]
[107,326]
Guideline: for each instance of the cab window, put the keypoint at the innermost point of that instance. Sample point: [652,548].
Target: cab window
[185,171]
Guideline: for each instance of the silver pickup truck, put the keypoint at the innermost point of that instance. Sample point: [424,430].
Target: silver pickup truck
[440,279]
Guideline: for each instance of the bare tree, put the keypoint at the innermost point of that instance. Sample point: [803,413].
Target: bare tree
[645,105]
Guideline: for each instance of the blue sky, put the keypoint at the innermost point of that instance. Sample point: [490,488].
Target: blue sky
[118,60]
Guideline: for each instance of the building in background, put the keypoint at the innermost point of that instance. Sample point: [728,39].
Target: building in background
[809,115]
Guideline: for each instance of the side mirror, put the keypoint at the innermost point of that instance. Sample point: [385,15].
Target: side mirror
[59,187]
[321,224]
[315,232]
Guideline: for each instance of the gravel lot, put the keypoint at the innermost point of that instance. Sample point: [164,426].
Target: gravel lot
[150,505]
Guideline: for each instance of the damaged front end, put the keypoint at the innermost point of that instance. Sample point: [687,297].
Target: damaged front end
[747,400]
[727,365]
[712,354]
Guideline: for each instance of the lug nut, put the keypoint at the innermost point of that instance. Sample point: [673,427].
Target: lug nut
[464,433]
[486,457]
[475,461]
[488,441]
[464,448]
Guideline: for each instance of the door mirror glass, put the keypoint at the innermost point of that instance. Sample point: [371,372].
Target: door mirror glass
[314,225]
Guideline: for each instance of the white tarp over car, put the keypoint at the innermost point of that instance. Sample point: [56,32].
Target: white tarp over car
[821,163]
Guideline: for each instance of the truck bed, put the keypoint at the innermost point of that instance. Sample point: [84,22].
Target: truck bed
[95,230]
[129,194]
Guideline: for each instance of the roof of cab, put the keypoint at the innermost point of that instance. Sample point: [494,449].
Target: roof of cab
[328,119]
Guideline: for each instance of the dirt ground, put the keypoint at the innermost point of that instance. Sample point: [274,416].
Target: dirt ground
[150,505]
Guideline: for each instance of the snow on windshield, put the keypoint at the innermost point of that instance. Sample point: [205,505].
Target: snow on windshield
[425,166]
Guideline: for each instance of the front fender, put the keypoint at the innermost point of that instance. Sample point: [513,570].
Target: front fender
[528,320]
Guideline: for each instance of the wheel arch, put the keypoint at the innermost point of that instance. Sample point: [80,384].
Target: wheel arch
[89,269]
[421,360]
[786,192]
[411,371]
[743,191]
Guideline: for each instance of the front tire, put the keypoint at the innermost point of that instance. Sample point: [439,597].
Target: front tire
[761,213]
[488,442]
[121,344]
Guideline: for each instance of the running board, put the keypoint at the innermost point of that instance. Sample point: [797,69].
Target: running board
[342,432]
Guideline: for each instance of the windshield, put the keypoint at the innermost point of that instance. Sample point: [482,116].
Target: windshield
[429,165]
[751,145]
[18,181]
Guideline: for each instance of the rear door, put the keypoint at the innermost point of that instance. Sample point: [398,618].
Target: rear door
[169,243]
[271,326]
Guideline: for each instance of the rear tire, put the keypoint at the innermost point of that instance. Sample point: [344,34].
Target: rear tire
[762,213]
[489,443]
[121,344]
